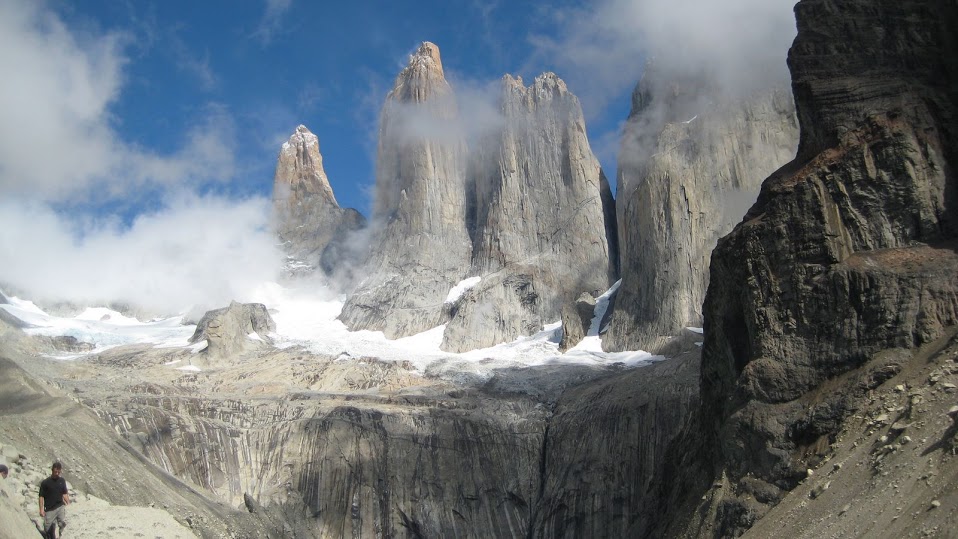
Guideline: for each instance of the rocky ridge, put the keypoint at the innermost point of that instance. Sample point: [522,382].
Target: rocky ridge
[824,402]
[843,270]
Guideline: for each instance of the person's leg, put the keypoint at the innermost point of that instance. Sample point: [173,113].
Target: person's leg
[49,523]
[62,518]
[54,519]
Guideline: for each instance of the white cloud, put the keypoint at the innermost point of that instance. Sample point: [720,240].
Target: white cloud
[600,51]
[197,251]
[57,140]
[58,145]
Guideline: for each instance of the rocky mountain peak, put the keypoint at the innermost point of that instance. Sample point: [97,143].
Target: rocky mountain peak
[533,256]
[302,136]
[306,216]
[420,243]
[422,78]
[546,86]
[299,172]
[427,55]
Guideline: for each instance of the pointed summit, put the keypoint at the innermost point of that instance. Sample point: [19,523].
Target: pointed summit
[422,78]
[307,217]
[419,213]
[299,172]
[427,55]
[543,218]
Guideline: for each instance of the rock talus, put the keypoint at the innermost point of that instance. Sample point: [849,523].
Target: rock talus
[692,159]
[420,248]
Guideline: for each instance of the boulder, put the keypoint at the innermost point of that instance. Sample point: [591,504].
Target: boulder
[576,321]
[233,330]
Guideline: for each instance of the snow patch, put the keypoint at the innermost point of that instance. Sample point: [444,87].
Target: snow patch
[464,285]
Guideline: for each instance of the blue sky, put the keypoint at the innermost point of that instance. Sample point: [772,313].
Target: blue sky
[255,70]
[138,138]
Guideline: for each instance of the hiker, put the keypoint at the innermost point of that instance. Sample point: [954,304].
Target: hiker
[4,470]
[54,498]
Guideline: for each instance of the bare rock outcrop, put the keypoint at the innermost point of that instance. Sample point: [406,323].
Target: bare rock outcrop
[576,320]
[233,330]
[692,159]
[543,212]
[420,247]
[606,446]
[308,220]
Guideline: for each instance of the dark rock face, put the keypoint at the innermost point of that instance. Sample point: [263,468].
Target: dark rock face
[851,248]
[606,447]
[692,159]
[576,320]
[308,220]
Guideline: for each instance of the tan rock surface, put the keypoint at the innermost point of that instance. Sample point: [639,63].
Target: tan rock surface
[420,247]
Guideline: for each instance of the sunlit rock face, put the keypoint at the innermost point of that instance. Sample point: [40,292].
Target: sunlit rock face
[369,447]
[691,162]
[420,247]
[541,221]
[526,208]
[306,216]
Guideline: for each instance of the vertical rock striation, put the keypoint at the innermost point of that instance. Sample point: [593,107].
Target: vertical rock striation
[527,209]
[606,446]
[421,246]
[307,217]
[691,162]
[542,218]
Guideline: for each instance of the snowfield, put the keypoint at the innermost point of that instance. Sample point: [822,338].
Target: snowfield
[307,318]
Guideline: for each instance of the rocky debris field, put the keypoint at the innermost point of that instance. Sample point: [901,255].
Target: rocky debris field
[892,470]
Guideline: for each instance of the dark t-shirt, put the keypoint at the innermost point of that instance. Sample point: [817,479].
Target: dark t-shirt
[52,491]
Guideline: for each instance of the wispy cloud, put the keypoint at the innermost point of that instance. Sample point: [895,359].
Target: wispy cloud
[194,63]
[272,20]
